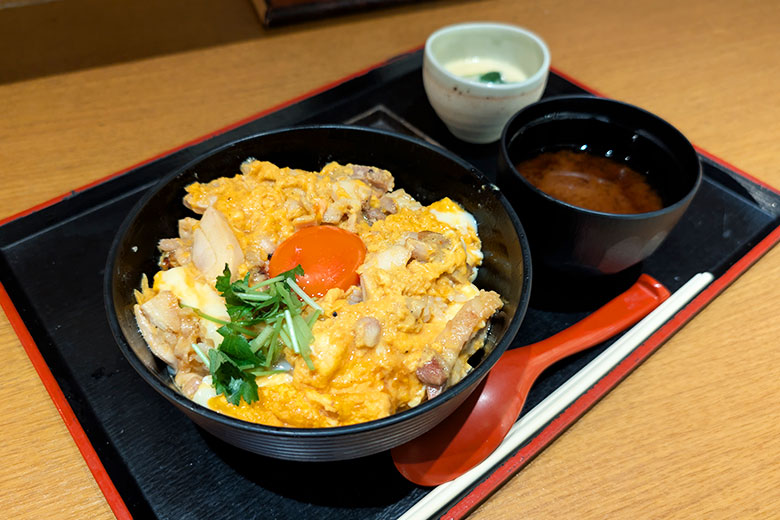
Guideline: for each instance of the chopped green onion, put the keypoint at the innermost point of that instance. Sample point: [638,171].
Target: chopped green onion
[291,331]
[260,317]
[263,372]
[313,318]
[285,337]
[200,354]
[230,324]
[267,281]
[261,339]
[305,297]
[251,297]
[273,342]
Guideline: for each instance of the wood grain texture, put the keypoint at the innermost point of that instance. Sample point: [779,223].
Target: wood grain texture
[693,433]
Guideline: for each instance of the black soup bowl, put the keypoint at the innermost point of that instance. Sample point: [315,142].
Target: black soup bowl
[426,172]
[578,243]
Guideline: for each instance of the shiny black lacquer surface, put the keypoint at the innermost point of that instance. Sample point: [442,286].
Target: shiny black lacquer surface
[163,465]
[573,241]
[425,172]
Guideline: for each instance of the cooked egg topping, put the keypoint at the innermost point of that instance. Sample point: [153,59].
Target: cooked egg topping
[185,285]
[399,335]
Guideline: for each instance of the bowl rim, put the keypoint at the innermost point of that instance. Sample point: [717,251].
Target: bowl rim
[599,102]
[180,400]
[538,76]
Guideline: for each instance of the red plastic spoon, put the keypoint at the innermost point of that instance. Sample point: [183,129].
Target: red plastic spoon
[477,427]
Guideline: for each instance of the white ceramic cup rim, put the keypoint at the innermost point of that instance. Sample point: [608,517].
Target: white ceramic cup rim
[537,76]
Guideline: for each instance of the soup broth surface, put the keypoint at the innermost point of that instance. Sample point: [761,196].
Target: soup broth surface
[591,182]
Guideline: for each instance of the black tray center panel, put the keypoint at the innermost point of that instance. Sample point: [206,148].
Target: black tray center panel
[52,263]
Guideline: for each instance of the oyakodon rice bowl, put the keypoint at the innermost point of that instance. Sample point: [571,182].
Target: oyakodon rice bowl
[353,355]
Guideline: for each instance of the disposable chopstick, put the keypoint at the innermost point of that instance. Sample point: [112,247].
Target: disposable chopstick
[562,397]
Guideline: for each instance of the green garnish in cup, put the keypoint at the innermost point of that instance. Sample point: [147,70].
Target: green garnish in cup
[492,77]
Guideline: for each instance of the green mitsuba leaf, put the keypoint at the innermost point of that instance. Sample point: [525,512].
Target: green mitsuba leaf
[251,339]
[492,77]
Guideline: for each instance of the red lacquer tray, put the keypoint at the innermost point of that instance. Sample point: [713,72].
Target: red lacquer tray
[152,462]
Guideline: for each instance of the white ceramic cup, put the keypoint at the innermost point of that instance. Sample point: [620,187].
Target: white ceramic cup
[476,111]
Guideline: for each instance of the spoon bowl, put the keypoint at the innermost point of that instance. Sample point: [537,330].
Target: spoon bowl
[476,428]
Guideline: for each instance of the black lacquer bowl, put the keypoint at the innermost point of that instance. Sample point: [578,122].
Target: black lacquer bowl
[426,172]
[568,240]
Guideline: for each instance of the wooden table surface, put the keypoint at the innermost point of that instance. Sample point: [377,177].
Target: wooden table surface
[89,87]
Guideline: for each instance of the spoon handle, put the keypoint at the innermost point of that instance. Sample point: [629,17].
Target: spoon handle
[616,315]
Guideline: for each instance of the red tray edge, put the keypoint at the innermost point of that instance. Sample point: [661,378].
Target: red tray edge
[509,467]
[589,399]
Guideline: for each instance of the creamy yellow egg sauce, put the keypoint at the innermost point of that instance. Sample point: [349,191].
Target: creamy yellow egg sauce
[351,383]
[266,203]
[188,286]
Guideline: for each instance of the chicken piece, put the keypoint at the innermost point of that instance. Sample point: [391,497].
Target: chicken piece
[177,251]
[469,320]
[458,332]
[188,382]
[154,337]
[428,246]
[215,245]
[433,391]
[433,372]
[163,311]
[368,332]
[423,246]
[355,294]
[336,211]
[257,274]
[423,307]
[201,206]
[402,200]
[174,253]
[387,206]
[186,227]
[396,255]
[420,251]
[434,375]
[293,208]
[349,198]
[170,331]
[159,320]
[373,215]
[263,246]
[381,180]
[434,240]
[304,221]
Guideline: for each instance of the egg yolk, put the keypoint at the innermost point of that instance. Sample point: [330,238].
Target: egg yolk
[329,256]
